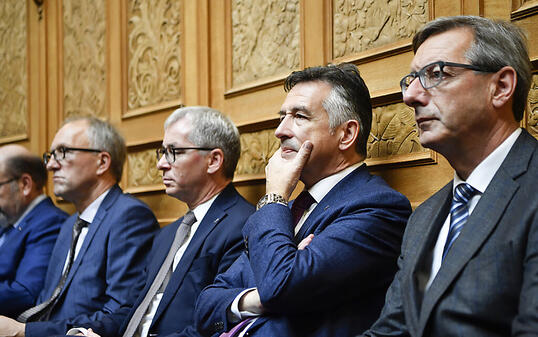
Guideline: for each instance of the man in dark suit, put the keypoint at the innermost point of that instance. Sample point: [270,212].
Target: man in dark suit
[100,251]
[33,226]
[469,261]
[308,266]
[200,151]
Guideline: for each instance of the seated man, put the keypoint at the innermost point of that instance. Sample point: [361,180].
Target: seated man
[33,226]
[469,263]
[100,252]
[355,221]
[200,152]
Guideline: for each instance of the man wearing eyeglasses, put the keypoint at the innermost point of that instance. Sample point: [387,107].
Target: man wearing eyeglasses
[33,224]
[100,252]
[469,261]
[199,153]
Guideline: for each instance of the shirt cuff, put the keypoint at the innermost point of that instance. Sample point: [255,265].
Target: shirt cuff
[234,315]
[75,331]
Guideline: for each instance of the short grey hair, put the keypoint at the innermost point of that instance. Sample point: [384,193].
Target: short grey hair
[212,129]
[496,44]
[103,136]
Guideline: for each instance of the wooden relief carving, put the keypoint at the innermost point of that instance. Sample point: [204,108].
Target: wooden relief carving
[142,169]
[532,120]
[84,63]
[154,55]
[265,39]
[256,149]
[393,132]
[13,70]
[360,25]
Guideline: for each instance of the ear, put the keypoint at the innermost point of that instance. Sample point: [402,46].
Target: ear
[349,131]
[504,82]
[104,162]
[215,160]
[26,184]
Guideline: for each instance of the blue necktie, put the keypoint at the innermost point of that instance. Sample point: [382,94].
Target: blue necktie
[459,212]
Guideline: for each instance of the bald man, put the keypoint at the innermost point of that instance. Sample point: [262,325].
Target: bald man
[33,224]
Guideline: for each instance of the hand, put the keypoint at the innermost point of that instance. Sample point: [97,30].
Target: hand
[282,174]
[92,334]
[11,328]
[86,332]
[251,302]
[305,242]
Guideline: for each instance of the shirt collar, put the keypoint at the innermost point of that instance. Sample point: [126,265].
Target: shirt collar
[89,213]
[30,207]
[322,187]
[484,172]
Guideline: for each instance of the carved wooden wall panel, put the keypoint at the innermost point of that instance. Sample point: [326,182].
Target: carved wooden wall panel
[532,119]
[154,52]
[256,149]
[366,24]
[265,39]
[84,57]
[13,70]
[142,169]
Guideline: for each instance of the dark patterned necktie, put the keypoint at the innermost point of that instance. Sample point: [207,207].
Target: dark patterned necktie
[181,235]
[42,311]
[300,205]
[459,212]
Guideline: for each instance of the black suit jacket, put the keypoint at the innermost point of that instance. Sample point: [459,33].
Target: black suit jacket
[488,282]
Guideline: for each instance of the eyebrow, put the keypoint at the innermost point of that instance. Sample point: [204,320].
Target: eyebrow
[295,109]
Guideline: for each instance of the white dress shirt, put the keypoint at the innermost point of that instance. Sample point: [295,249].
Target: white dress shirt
[479,179]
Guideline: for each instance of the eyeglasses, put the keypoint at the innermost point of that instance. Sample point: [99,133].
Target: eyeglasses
[8,181]
[59,153]
[170,152]
[431,75]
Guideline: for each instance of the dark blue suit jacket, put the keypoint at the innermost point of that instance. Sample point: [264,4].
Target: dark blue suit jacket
[213,248]
[25,256]
[109,263]
[334,287]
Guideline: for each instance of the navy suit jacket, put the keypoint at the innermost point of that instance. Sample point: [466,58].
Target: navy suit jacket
[25,256]
[334,287]
[109,263]
[214,247]
[488,282]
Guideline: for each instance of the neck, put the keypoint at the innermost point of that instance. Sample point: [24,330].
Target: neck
[208,192]
[99,188]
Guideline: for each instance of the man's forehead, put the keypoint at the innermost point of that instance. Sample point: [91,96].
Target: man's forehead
[73,133]
[450,46]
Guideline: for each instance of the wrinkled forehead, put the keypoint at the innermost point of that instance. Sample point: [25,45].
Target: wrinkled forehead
[72,134]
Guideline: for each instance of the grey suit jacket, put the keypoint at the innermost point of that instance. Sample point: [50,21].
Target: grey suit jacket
[488,282]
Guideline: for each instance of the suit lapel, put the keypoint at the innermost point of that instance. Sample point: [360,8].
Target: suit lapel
[480,224]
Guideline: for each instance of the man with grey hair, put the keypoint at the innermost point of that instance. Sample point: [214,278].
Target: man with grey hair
[199,153]
[100,252]
[33,224]
[469,261]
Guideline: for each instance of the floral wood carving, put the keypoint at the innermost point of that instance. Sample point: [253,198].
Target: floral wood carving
[154,54]
[393,132]
[84,50]
[360,25]
[532,120]
[256,149]
[265,39]
[142,169]
[13,69]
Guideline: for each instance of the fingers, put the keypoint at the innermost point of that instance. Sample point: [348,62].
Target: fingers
[305,242]
[304,153]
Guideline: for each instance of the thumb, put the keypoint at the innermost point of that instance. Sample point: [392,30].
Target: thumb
[303,154]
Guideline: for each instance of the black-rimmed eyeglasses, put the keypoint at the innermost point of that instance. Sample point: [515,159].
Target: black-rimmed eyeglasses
[59,153]
[431,75]
[170,152]
[8,181]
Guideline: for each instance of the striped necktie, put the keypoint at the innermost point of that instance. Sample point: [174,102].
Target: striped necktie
[459,212]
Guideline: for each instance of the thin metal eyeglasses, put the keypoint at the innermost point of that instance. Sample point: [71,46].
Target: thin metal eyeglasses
[433,74]
[8,181]
[170,152]
[59,153]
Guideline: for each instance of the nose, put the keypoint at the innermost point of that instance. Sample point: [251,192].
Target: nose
[52,164]
[162,164]
[283,129]
[415,94]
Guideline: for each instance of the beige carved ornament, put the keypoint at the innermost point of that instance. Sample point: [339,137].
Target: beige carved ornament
[393,132]
[154,54]
[142,166]
[256,149]
[265,39]
[532,120]
[13,70]
[84,63]
[360,25]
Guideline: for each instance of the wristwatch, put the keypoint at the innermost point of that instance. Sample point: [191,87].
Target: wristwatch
[271,198]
